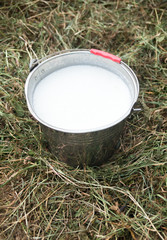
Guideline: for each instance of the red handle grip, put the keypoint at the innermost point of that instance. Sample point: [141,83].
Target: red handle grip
[106,55]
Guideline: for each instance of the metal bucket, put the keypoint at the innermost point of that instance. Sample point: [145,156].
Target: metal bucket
[86,146]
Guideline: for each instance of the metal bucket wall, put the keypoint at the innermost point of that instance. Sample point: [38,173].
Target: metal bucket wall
[92,149]
[80,148]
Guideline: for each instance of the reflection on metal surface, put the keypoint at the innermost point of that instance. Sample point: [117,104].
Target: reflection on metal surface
[93,148]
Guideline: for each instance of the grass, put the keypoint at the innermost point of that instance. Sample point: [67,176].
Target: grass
[126,198]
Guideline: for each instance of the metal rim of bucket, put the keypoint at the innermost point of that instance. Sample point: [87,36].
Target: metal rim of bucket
[38,63]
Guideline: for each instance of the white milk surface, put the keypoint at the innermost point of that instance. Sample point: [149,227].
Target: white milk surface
[80,98]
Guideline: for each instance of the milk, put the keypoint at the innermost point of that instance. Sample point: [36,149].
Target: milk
[80,98]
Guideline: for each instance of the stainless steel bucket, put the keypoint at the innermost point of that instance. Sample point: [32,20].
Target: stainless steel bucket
[92,146]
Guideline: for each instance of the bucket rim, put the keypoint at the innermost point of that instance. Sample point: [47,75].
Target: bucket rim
[79,131]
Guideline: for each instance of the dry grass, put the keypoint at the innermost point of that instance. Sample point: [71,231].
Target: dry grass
[41,198]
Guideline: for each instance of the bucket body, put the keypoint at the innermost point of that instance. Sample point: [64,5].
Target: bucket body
[90,142]
[84,149]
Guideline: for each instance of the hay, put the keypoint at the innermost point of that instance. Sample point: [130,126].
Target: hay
[41,198]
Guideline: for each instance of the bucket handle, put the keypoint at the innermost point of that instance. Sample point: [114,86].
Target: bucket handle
[35,62]
[136,109]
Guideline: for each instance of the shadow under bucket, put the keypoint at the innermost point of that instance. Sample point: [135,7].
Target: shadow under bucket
[81,99]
